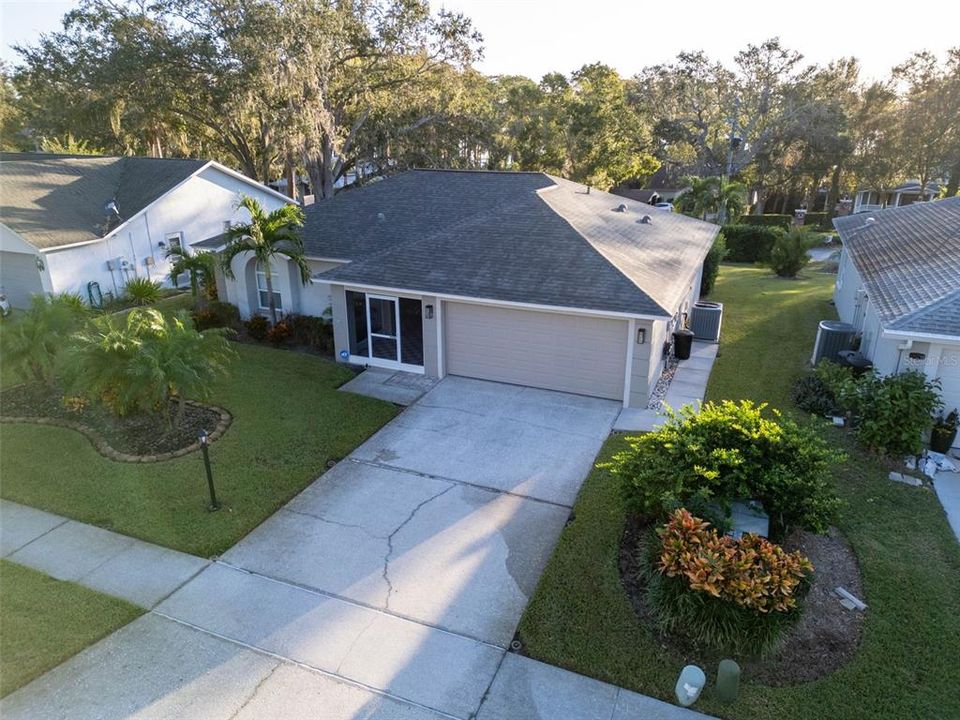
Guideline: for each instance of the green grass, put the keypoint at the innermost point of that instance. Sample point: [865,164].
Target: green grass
[288,421]
[580,617]
[45,621]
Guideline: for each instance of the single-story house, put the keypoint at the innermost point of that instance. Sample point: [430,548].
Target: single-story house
[898,284]
[514,277]
[89,224]
[870,199]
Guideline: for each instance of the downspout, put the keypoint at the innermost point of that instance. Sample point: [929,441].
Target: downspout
[903,347]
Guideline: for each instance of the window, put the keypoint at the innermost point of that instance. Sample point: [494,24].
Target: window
[174,241]
[262,288]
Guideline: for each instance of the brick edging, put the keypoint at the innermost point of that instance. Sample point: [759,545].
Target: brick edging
[104,448]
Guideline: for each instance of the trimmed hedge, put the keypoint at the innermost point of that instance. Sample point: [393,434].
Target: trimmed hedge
[750,243]
[770,220]
[815,218]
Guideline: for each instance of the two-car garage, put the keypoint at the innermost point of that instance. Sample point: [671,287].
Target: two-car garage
[581,354]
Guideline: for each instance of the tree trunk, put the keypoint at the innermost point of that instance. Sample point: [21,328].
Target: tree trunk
[829,205]
[761,204]
[270,302]
[953,185]
[291,180]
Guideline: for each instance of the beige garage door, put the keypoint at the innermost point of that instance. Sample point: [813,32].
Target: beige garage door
[19,278]
[569,353]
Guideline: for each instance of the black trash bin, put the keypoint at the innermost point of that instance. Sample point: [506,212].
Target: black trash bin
[856,360]
[682,343]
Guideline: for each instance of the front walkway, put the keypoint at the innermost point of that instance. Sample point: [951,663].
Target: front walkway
[947,485]
[390,588]
[688,387]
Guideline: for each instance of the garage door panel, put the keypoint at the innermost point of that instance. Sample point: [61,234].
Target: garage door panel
[569,353]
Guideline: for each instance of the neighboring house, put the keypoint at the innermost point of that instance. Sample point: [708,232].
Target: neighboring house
[513,277]
[898,284]
[69,222]
[868,200]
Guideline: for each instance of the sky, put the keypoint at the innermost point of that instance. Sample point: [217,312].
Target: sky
[533,37]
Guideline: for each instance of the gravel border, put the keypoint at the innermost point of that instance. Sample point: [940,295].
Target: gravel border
[104,448]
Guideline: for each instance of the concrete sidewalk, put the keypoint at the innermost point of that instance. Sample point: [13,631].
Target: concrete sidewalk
[688,387]
[117,565]
[947,486]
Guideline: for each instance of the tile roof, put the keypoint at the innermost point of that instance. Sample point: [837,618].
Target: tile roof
[909,260]
[54,200]
[516,237]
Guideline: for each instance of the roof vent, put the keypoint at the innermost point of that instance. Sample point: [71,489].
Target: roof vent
[870,220]
[621,208]
[381,217]
[646,219]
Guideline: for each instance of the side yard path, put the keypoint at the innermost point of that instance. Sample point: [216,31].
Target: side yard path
[389,588]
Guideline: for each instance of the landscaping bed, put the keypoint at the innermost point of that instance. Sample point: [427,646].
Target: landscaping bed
[581,616]
[45,621]
[825,637]
[134,437]
[289,422]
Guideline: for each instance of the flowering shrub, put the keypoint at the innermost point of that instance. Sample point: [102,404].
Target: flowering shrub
[751,572]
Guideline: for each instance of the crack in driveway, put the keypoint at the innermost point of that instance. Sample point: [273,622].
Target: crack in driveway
[386,558]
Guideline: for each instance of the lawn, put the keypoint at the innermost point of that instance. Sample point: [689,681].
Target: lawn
[45,621]
[580,617]
[288,422]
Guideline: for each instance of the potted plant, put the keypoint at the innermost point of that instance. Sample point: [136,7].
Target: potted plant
[944,432]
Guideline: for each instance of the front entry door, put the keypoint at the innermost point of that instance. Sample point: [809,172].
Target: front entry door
[383,319]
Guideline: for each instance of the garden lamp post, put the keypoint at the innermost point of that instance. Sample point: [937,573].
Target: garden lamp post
[205,448]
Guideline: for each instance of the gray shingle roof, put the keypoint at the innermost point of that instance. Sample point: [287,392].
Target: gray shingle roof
[909,260]
[516,237]
[55,200]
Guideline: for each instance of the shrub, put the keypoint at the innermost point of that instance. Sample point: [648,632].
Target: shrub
[751,572]
[33,342]
[711,265]
[748,243]
[257,327]
[310,331]
[789,254]
[894,411]
[731,451]
[732,595]
[812,395]
[217,315]
[142,291]
[143,362]
[769,220]
[278,334]
[817,219]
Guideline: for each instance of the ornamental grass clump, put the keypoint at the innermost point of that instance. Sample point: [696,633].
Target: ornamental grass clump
[736,596]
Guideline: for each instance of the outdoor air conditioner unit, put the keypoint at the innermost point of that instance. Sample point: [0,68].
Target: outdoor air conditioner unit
[833,337]
[705,320]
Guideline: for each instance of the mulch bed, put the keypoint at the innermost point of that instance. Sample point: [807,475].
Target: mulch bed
[144,437]
[825,638]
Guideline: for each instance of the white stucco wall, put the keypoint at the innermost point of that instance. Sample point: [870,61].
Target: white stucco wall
[241,290]
[197,209]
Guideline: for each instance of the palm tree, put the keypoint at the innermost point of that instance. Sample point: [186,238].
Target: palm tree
[715,195]
[199,266]
[146,361]
[268,237]
[32,343]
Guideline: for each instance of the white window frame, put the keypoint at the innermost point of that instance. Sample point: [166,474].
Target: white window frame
[262,289]
[174,238]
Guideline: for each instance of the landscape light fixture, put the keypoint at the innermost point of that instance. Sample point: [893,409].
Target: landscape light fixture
[205,449]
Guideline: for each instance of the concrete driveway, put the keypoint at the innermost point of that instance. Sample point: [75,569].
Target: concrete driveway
[399,576]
